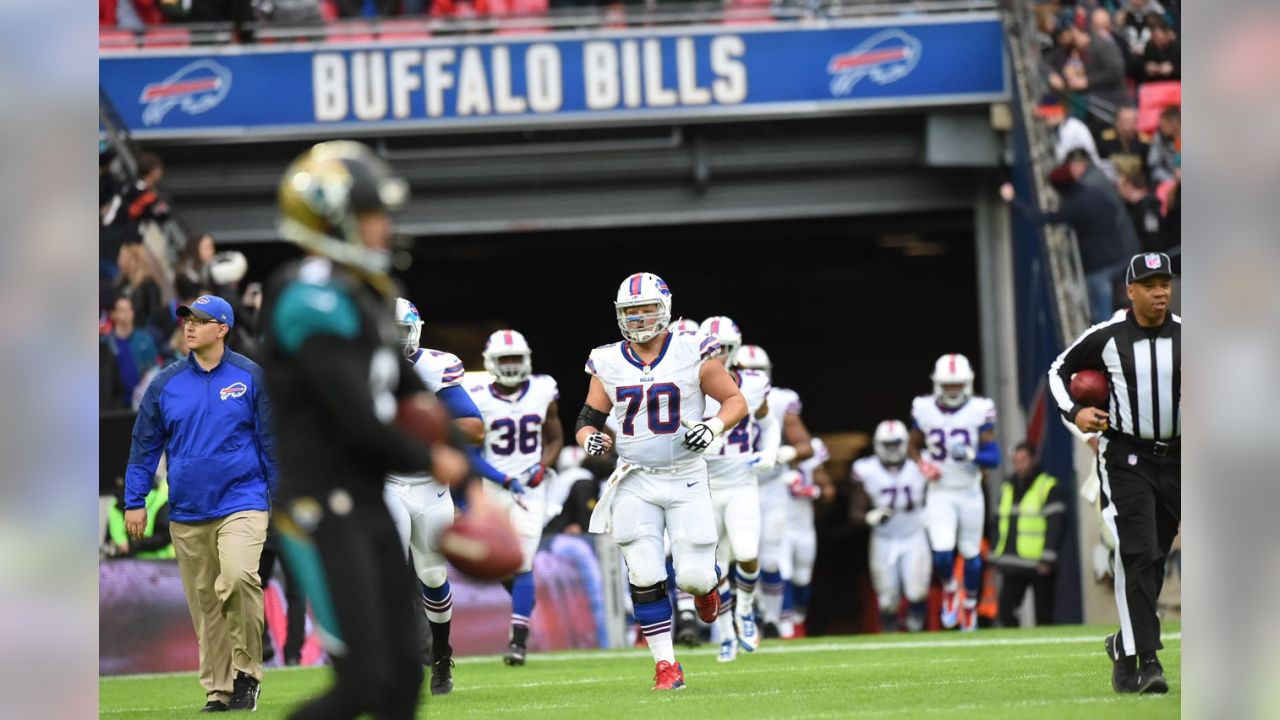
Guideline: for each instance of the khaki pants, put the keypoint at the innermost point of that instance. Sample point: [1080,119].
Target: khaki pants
[218,560]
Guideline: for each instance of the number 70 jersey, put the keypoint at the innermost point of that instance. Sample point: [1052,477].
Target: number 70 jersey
[944,427]
[649,401]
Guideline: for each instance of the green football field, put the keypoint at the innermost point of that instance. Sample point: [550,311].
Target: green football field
[1048,673]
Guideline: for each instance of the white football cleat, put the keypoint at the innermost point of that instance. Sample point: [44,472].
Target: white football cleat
[748,633]
[728,651]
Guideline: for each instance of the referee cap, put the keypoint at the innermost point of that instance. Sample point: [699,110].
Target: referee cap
[1145,265]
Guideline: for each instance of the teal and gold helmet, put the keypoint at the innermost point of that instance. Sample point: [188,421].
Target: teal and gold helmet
[326,190]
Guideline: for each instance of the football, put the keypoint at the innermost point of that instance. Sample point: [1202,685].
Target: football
[482,545]
[423,417]
[1089,387]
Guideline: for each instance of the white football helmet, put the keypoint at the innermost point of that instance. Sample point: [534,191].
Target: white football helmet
[952,369]
[684,325]
[571,456]
[409,323]
[753,357]
[890,442]
[505,344]
[726,331]
[643,289]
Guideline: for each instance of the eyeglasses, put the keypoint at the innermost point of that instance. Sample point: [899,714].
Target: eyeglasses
[193,320]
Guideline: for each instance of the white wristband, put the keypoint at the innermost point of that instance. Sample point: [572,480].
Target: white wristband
[716,425]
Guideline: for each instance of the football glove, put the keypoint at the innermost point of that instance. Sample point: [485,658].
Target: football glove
[595,444]
[803,490]
[764,462]
[535,474]
[929,470]
[961,451]
[879,516]
[701,435]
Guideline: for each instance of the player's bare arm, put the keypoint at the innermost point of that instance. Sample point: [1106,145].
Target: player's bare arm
[471,428]
[589,434]
[763,410]
[795,434]
[717,383]
[552,435]
[915,444]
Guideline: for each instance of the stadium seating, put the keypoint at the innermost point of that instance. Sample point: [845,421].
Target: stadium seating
[166,37]
[403,29]
[116,40]
[349,32]
[1153,98]
[747,12]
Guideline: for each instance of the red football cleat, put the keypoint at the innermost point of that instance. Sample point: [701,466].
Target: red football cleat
[708,606]
[668,677]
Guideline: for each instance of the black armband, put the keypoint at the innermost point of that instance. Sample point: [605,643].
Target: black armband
[590,417]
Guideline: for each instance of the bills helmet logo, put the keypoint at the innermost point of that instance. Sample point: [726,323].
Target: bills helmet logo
[198,87]
[234,390]
[662,286]
[887,56]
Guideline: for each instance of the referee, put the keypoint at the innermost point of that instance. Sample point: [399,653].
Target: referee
[1139,455]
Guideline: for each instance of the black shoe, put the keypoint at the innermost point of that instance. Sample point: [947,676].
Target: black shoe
[442,675]
[292,660]
[245,696]
[771,631]
[515,654]
[687,630]
[215,706]
[1124,673]
[1151,678]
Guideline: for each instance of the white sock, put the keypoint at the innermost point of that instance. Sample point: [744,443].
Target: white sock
[745,592]
[684,601]
[660,646]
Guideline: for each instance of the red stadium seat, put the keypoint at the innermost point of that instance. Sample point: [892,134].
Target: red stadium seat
[747,12]
[1153,98]
[403,30]
[116,40]
[329,11]
[169,37]
[349,32]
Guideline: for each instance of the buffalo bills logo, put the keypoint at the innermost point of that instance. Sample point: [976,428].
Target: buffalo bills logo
[662,286]
[887,56]
[234,390]
[198,87]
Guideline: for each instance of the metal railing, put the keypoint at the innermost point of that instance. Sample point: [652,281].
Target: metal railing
[1062,254]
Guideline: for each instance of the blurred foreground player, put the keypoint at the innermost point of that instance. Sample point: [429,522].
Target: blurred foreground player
[335,373]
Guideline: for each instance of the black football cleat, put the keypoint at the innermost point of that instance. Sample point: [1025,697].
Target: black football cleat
[771,631]
[442,675]
[245,695]
[687,630]
[515,654]
[1124,672]
[1150,679]
[214,706]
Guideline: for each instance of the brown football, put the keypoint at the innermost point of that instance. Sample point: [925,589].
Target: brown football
[1090,388]
[482,545]
[423,417]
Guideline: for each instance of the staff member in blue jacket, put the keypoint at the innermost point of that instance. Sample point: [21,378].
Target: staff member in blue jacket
[210,416]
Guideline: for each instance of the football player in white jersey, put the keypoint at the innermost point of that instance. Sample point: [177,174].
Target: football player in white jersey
[684,325]
[523,437]
[734,494]
[953,440]
[423,508]
[795,445]
[655,383]
[892,503]
[800,543]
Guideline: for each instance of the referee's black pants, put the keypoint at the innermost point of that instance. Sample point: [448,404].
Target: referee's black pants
[1142,506]
[370,588]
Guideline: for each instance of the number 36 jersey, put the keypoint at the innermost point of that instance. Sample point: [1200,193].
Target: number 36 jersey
[513,423]
[945,428]
[649,401]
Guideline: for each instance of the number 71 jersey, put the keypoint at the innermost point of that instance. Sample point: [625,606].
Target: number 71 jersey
[944,428]
[513,423]
[649,401]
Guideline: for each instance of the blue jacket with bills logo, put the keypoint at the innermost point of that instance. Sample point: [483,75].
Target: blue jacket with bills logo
[215,429]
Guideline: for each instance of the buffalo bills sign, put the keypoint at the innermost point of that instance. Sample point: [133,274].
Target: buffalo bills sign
[721,72]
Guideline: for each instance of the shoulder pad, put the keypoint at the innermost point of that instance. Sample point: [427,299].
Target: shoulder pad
[305,309]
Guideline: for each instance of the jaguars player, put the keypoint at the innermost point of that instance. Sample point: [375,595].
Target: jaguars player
[334,375]
[734,494]
[654,383]
[794,446]
[953,440]
[891,503]
[523,437]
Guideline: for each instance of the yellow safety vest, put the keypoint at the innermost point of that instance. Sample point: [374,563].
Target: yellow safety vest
[115,524]
[1031,522]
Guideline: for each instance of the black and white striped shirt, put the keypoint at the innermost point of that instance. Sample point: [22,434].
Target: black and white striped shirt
[1144,366]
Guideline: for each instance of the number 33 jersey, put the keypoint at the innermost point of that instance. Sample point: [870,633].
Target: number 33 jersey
[649,401]
[513,423]
[947,430]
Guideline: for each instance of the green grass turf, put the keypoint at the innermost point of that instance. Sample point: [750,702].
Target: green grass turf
[1044,673]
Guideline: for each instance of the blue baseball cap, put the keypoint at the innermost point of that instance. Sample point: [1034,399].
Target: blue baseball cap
[209,307]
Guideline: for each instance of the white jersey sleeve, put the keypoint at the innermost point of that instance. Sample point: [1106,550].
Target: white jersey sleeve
[649,401]
[438,369]
[943,428]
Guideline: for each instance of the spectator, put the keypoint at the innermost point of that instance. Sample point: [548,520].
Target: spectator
[1103,232]
[1031,532]
[1102,81]
[1162,58]
[192,277]
[134,352]
[1103,27]
[1165,156]
[1144,211]
[1122,148]
[111,395]
[1068,133]
[155,543]
[1136,13]
[140,200]
[137,282]
[367,8]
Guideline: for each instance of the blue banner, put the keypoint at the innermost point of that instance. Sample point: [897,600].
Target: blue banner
[559,78]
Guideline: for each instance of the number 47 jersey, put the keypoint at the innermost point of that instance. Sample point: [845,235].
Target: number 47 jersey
[649,401]
[947,429]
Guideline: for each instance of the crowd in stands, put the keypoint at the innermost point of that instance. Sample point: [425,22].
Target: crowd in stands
[1113,70]
[145,271]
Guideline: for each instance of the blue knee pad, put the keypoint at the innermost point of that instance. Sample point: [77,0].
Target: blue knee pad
[972,575]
